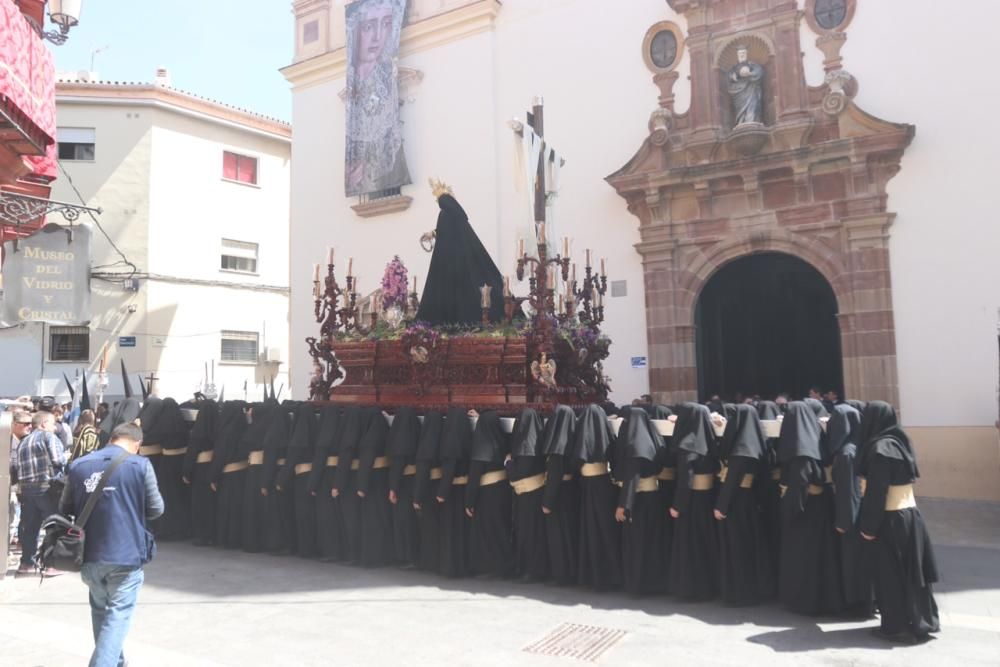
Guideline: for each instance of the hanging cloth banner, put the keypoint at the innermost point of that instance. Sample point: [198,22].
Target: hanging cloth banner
[47,279]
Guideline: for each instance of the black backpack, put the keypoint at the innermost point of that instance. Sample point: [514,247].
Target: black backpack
[62,546]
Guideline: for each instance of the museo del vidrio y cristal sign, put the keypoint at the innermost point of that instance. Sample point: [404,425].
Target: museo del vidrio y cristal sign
[47,278]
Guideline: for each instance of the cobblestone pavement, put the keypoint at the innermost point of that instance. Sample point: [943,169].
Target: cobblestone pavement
[211,607]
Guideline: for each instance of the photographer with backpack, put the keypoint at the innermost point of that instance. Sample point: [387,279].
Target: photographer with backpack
[118,542]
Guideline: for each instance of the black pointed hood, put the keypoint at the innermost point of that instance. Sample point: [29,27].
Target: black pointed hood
[744,435]
[489,443]
[126,411]
[594,438]
[801,434]
[84,393]
[558,433]
[69,386]
[526,439]
[143,388]
[126,383]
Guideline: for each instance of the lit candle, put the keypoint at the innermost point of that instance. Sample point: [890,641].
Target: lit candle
[588,256]
[329,255]
[520,248]
[315,273]
[572,275]
[350,264]
[565,246]
[602,267]
[484,298]
[541,233]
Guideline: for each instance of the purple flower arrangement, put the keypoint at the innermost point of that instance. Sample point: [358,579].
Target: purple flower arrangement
[395,282]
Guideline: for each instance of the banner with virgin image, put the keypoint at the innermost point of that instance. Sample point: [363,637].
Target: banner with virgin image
[374,158]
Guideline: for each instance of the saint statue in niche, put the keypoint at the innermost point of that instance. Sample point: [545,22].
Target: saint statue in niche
[745,83]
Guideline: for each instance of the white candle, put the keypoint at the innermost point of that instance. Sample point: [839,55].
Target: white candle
[594,295]
[561,306]
[602,267]
[572,275]
[350,265]
[315,273]
[329,255]
[565,246]
[372,304]
[588,256]
[520,248]
[552,278]
[541,233]
[414,284]
[506,285]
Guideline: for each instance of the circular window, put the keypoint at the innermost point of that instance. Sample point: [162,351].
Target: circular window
[663,49]
[830,13]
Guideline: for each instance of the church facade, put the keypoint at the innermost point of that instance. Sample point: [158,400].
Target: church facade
[785,195]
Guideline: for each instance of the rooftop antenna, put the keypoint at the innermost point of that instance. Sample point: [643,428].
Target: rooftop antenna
[93,54]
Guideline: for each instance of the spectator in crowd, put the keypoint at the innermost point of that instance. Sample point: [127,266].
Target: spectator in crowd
[118,539]
[815,392]
[63,430]
[85,438]
[830,399]
[102,411]
[19,428]
[39,462]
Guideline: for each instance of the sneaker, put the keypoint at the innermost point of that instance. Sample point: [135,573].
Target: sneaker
[52,572]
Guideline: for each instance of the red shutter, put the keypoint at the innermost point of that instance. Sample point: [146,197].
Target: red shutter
[248,169]
[229,165]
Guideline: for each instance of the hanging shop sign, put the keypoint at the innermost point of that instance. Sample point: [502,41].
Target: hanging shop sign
[47,277]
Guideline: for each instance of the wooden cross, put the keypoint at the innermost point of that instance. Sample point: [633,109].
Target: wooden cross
[536,121]
[150,379]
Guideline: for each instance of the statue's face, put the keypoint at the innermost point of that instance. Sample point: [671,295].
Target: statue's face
[373,32]
[741,55]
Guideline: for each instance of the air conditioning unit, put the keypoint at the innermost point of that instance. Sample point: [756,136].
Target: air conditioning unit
[273,355]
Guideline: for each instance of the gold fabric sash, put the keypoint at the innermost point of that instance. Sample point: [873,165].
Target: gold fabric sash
[647,484]
[776,474]
[828,471]
[567,477]
[179,451]
[815,490]
[256,458]
[377,464]
[459,481]
[235,467]
[303,468]
[863,484]
[492,477]
[667,474]
[747,481]
[205,457]
[410,470]
[900,497]
[594,469]
[702,482]
[282,462]
[331,461]
[528,484]
[150,450]
[437,473]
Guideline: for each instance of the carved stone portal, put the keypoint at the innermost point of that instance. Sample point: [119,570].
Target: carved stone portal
[809,181]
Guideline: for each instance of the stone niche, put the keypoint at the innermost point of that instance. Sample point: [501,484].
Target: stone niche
[809,180]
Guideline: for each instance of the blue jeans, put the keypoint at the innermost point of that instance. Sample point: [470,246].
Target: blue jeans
[114,590]
[36,507]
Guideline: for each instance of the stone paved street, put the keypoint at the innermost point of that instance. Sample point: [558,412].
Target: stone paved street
[210,607]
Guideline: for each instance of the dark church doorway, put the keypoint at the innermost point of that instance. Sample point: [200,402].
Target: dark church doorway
[767,324]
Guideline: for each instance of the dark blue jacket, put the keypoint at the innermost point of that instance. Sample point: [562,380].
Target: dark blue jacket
[116,531]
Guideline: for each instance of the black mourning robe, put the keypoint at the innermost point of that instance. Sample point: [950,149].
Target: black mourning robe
[199,474]
[372,490]
[279,507]
[295,474]
[329,524]
[644,561]
[694,559]
[666,460]
[456,445]
[843,431]
[229,486]
[767,487]
[163,425]
[561,497]
[123,413]
[905,568]
[745,575]
[345,480]
[428,512]
[491,548]
[460,265]
[600,563]
[531,554]
[254,510]
[809,579]
[403,438]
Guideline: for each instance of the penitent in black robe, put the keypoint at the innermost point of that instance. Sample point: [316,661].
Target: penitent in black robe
[253,506]
[199,474]
[694,559]
[490,546]
[279,509]
[229,486]
[767,488]
[345,481]
[372,490]
[843,431]
[531,554]
[904,564]
[809,578]
[301,448]
[644,570]
[561,497]
[170,431]
[329,527]
[456,444]
[745,576]
[428,513]
[459,266]
[600,565]
[403,438]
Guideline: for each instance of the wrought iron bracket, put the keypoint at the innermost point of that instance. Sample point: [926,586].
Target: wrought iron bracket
[18,209]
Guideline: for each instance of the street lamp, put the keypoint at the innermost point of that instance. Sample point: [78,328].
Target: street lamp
[65,14]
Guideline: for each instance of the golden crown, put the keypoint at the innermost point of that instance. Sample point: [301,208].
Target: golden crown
[439,187]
